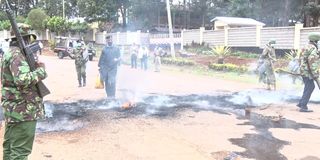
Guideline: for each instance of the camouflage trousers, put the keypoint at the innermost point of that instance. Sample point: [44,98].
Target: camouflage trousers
[81,73]
[18,140]
[266,73]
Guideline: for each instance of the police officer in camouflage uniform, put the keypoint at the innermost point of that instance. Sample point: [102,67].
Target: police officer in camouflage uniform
[80,62]
[309,69]
[108,66]
[21,103]
[265,65]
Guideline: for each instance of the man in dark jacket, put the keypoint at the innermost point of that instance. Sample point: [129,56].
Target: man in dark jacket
[108,66]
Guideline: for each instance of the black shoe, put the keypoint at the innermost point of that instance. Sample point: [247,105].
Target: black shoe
[80,85]
[305,110]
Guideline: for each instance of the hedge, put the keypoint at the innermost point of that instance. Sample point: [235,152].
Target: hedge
[178,61]
[228,67]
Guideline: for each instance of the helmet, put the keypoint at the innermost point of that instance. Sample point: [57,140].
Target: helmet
[314,36]
[272,41]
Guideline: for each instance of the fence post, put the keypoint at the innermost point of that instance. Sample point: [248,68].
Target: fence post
[118,38]
[202,29]
[182,39]
[5,34]
[258,36]
[138,37]
[47,35]
[104,34]
[297,35]
[226,34]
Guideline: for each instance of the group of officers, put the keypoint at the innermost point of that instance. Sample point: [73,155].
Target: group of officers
[23,106]
[309,65]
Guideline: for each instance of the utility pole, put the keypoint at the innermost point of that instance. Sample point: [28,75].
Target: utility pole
[170,30]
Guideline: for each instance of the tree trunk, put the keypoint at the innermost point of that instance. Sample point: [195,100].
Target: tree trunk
[124,17]
[285,17]
[184,14]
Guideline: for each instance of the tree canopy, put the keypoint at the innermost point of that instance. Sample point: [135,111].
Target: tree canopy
[147,14]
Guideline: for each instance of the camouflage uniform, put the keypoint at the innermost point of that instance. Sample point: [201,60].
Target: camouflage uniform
[21,103]
[265,67]
[80,63]
[309,69]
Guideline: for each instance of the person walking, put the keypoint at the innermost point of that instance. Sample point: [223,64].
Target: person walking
[145,56]
[265,65]
[41,47]
[108,66]
[134,55]
[309,70]
[157,58]
[80,63]
[22,106]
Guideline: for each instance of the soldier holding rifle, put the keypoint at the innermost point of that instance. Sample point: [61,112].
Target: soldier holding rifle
[309,68]
[22,94]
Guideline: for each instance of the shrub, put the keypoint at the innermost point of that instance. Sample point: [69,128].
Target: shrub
[198,49]
[36,17]
[241,54]
[293,54]
[228,67]
[5,25]
[178,61]
[52,44]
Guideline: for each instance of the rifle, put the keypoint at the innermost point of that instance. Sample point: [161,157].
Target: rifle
[288,72]
[27,51]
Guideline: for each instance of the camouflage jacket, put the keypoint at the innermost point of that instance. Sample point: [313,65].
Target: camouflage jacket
[311,56]
[78,57]
[268,53]
[19,96]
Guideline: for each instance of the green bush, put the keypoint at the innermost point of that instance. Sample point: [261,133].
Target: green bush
[199,49]
[5,25]
[228,67]
[244,54]
[36,17]
[52,44]
[178,61]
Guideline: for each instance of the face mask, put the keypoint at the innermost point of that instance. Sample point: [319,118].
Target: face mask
[109,43]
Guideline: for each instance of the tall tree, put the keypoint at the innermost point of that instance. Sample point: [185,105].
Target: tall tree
[97,10]
[123,6]
[36,17]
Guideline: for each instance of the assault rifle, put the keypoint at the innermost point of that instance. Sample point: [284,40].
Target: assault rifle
[27,51]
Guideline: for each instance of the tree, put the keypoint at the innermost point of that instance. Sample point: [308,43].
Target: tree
[145,13]
[313,9]
[79,27]
[58,25]
[98,10]
[21,19]
[123,6]
[3,16]
[5,25]
[36,18]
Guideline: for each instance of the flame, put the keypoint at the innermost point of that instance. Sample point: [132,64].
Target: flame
[128,105]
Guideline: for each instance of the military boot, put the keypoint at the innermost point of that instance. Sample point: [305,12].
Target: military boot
[84,81]
[80,85]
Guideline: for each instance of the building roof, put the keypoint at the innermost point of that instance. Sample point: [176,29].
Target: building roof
[238,21]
